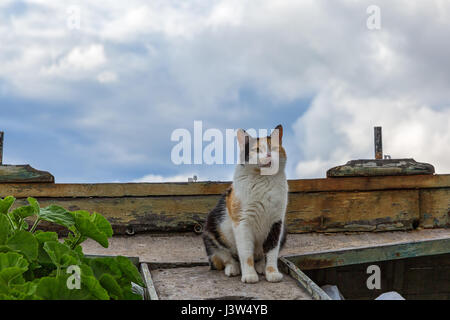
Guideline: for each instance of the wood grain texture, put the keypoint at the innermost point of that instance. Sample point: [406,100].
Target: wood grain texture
[61,190]
[353,211]
[141,214]
[316,205]
[378,167]
[306,212]
[435,208]
[23,174]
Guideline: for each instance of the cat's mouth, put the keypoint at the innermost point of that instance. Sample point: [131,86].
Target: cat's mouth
[267,165]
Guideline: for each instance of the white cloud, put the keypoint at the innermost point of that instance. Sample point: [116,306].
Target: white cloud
[107,77]
[78,60]
[339,127]
[180,61]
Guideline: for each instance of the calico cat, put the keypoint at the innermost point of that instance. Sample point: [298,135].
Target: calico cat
[245,231]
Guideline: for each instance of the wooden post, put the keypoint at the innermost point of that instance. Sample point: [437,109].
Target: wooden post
[378,143]
[1,147]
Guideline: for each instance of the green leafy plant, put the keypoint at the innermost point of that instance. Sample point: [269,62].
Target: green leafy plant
[35,265]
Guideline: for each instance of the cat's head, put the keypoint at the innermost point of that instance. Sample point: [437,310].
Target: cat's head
[264,153]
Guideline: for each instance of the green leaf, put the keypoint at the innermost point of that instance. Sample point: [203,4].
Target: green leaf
[92,284]
[5,248]
[87,228]
[60,254]
[6,204]
[105,265]
[13,259]
[82,213]
[55,288]
[129,270]
[12,266]
[56,214]
[43,237]
[122,270]
[23,212]
[110,284]
[102,224]
[11,275]
[128,294]
[24,225]
[24,291]
[34,204]
[18,215]
[5,229]
[25,243]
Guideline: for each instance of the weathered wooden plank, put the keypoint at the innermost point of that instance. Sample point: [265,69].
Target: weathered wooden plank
[23,173]
[321,212]
[112,190]
[435,208]
[378,167]
[353,211]
[200,283]
[49,190]
[142,214]
[149,282]
[303,280]
[343,257]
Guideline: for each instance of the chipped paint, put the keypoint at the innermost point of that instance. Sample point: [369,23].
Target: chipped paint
[422,201]
[342,257]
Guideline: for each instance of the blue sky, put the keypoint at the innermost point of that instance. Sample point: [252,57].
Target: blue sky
[99,103]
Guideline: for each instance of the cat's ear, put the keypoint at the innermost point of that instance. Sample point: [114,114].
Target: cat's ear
[278,132]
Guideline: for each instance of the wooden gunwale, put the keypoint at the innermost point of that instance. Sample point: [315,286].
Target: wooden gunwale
[63,190]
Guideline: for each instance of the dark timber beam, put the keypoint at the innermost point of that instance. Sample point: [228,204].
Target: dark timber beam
[1,147]
[378,143]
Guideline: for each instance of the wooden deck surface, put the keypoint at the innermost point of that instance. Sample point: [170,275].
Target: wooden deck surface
[192,279]
[200,283]
[189,248]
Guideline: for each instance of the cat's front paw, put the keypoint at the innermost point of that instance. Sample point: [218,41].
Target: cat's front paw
[250,278]
[273,275]
[232,270]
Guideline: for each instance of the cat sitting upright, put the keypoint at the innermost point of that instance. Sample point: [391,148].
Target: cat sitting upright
[245,231]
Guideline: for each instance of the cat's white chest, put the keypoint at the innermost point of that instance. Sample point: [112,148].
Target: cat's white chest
[263,201]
